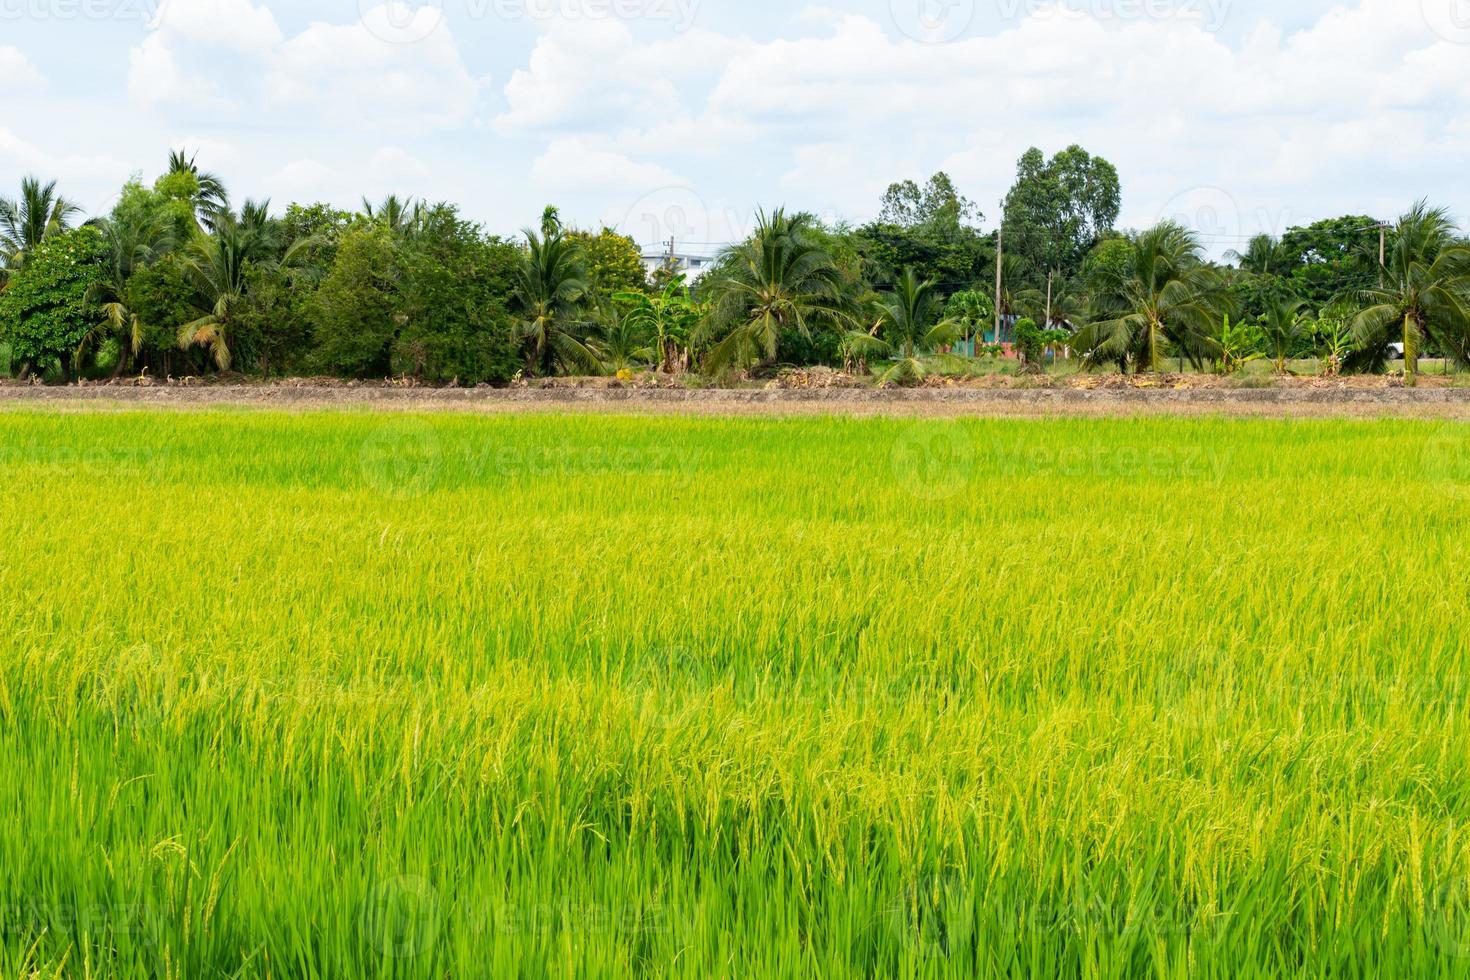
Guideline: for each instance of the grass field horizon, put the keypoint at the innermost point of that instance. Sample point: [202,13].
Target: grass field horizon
[335,694]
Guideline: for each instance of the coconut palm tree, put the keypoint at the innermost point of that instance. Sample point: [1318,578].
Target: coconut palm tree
[131,244]
[1262,256]
[551,293]
[1283,328]
[910,325]
[1165,293]
[39,213]
[619,341]
[217,264]
[779,279]
[669,318]
[1425,294]
[403,217]
[973,310]
[212,201]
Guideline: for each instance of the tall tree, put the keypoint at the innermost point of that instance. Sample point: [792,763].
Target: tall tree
[38,214]
[403,217]
[938,205]
[211,200]
[218,265]
[1164,293]
[1425,294]
[133,238]
[780,279]
[551,295]
[612,261]
[1058,210]
[1264,256]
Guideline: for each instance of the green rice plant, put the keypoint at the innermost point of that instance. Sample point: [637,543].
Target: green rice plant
[341,694]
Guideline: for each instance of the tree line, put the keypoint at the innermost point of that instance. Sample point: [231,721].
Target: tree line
[175,280]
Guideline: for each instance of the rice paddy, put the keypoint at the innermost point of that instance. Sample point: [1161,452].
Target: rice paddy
[340,694]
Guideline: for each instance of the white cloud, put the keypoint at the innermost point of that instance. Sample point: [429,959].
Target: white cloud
[19,74]
[234,25]
[391,164]
[834,116]
[337,72]
[591,74]
[180,59]
[1287,114]
[574,164]
[351,72]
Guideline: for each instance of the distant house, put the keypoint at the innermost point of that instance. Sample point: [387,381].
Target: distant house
[1008,321]
[692,266]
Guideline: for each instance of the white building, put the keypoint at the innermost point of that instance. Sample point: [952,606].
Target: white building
[693,266]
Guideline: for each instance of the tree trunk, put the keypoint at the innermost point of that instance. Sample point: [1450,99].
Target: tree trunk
[123,357]
[25,371]
[1411,352]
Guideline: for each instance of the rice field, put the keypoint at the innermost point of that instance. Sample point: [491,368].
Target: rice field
[343,694]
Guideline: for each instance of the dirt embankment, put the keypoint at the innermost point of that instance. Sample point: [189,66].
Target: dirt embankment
[1079,396]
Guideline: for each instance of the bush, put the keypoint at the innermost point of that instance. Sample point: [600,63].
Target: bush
[44,312]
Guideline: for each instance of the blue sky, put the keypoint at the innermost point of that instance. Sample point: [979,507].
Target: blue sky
[680,117]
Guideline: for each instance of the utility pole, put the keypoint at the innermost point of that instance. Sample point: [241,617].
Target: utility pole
[1049,274]
[1000,244]
[1382,253]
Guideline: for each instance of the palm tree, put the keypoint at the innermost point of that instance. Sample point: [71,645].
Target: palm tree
[910,323]
[212,201]
[669,318]
[778,280]
[1283,327]
[1425,294]
[1262,256]
[131,244]
[973,310]
[217,264]
[39,213]
[551,293]
[403,217]
[1165,293]
[619,342]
